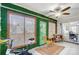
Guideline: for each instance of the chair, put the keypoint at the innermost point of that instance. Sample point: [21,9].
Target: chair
[73,36]
[49,41]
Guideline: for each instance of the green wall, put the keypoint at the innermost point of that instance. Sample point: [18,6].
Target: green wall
[3,23]
[0,20]
[5,7]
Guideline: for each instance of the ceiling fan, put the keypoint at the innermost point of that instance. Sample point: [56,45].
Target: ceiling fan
[59,10]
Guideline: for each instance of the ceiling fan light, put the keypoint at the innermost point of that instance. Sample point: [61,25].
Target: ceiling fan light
[58,14]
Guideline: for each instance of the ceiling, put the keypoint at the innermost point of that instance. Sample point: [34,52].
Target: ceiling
[42,8]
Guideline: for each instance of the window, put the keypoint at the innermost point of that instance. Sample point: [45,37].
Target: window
[52,29]
[21,28]
[70,26]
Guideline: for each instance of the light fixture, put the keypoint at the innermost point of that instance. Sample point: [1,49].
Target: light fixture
[58,14]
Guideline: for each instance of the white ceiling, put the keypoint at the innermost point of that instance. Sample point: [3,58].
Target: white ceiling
[42,8]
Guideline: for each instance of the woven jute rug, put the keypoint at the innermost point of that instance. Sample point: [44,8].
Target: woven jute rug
[50,50]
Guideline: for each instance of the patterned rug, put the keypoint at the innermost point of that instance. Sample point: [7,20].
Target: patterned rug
[52,50]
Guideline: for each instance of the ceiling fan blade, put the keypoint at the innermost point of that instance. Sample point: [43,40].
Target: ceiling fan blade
[50,11]
[65,9]
[66,13]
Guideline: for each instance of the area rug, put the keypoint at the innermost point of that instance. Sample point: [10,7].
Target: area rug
[52,50]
